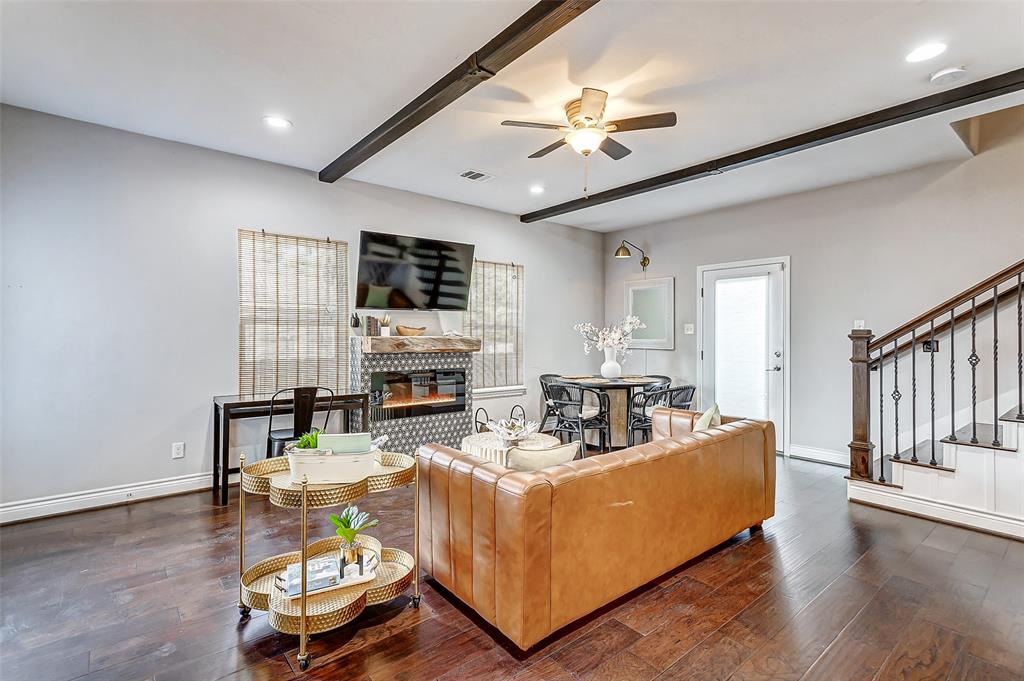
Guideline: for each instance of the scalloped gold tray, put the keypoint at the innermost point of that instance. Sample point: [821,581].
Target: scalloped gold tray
[258,579]
[332,609]
[271,476]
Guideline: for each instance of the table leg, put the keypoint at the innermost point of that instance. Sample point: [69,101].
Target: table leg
[216,450]
[225,432]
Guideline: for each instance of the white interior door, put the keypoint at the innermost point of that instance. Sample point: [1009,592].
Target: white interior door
[743,342]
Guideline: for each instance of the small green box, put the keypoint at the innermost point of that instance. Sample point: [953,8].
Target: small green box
[344,443]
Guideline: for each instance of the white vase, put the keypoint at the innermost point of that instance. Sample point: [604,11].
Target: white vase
[611,368]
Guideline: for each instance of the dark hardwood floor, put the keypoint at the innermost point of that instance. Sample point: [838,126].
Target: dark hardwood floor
[829,590]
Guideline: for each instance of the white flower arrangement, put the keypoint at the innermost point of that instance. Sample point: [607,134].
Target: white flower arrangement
[616,337]
[513,430]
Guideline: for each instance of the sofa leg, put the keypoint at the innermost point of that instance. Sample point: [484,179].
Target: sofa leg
[755,528]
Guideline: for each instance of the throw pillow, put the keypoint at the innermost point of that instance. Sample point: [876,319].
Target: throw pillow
[378,296]
[709,419]
[537,459]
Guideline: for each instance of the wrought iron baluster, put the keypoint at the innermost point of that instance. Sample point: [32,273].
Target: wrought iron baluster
[973,360]
[896,396]
[881,417]
[1020,356]
[952,375]
[995,366]
[913,395]
[931,386]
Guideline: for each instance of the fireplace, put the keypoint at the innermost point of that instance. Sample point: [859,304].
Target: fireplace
[416,392]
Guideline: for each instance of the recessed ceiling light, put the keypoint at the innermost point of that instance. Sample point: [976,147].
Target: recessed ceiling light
[277,122]
[925,52]
[537,189]
[948,75]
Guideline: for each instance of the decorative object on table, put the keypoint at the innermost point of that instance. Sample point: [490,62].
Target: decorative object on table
[332,458]
[653,301]
[622,252]
[489,447]
[709,419]
[385,325]
[322,574]
[410,330]
[613,340]
[354,323]
[350,523]
[512,431]
[538,459]
[480,420]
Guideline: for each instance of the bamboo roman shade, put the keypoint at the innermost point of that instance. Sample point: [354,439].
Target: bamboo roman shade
[293,312]
[495,316]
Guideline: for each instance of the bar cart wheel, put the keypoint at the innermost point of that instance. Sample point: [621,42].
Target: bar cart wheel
[303,662]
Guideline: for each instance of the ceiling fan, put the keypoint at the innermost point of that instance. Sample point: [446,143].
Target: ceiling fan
[586,132]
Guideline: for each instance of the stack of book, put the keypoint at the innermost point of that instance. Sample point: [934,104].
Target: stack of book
[325,573]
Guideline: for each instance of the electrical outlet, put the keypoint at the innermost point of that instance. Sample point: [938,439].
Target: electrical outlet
[178,450]
[688,329]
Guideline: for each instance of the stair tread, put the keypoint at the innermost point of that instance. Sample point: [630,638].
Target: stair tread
[985,434]
[886,464]
[1011,416]
[924,455]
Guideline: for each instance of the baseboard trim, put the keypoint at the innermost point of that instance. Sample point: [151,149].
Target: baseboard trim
[40,507]
[974,518]
[822,455]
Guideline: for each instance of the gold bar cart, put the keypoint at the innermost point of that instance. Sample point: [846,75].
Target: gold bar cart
[317,613]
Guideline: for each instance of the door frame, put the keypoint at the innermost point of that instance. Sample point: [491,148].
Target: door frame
[787,333]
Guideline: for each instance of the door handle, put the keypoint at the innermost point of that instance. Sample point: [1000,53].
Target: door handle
[775,368]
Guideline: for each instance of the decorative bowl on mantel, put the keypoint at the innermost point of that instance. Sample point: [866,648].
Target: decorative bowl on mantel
[410,330]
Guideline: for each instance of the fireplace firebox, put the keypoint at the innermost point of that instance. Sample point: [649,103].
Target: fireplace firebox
[417,392]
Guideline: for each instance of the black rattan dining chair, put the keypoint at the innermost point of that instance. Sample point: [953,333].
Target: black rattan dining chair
[549,409]
[640,409]
[663,383]
[576,417]
[681,397]
[303,405]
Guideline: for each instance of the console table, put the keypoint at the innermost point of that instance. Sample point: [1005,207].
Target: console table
[227,408]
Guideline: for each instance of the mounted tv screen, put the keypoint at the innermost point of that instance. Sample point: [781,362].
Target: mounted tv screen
[412,273]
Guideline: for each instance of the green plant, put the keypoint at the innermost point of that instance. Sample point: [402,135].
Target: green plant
[308,440]
[351,522]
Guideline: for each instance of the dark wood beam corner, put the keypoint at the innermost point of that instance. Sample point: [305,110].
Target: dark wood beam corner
[529,30]
[1005,83]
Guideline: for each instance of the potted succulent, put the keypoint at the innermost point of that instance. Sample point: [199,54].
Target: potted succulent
[348,525]
[308,441]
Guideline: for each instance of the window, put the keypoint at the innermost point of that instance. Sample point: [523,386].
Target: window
[292,312]
[495,316]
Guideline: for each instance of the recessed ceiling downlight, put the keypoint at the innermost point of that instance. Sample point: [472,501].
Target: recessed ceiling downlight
[277,122]
[926,52]
[537,189]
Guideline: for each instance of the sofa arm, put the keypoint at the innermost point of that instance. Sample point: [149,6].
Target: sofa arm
[485,535]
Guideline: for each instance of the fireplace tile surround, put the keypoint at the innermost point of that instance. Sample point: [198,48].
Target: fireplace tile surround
[408,433]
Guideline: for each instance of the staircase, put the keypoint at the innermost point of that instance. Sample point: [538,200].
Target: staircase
[938,411]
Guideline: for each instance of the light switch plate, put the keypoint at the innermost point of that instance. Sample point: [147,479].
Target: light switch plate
[688,329]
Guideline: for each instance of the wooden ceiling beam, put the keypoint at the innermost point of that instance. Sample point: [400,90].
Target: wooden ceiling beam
[529,30]
[995,86]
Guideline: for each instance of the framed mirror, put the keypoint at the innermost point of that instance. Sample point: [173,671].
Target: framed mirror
[653,301]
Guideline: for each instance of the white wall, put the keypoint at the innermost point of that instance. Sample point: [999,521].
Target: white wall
[882,250]
[120,308]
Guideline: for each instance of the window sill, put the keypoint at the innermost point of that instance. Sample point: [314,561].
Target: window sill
[500,391]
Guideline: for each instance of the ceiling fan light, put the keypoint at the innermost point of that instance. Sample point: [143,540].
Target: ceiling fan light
[622,251]
[586,140]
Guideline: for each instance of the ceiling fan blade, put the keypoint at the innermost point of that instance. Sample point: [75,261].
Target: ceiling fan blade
[614,149]
[548,149]
[661,120]
[528,124]
[592,103]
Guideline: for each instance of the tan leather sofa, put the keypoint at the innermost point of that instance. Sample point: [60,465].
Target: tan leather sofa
[532,552]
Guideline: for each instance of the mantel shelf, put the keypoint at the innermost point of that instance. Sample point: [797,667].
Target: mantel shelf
[396,344]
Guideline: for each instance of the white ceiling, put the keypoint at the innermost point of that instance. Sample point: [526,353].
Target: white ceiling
[738,74]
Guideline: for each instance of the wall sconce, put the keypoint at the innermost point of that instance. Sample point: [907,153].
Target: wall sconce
[623,252]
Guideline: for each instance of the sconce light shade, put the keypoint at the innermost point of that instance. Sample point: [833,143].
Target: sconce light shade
[622,251]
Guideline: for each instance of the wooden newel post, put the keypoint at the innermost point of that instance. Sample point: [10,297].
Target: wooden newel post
[861,461]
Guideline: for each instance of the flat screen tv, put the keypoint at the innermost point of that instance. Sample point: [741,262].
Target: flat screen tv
[412,273]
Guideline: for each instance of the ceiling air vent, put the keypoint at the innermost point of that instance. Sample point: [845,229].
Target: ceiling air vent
[476,176]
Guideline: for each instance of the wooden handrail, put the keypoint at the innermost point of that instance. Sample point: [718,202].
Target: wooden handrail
[944,308]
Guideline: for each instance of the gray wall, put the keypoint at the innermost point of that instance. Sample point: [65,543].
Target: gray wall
[120,308]
[882,250]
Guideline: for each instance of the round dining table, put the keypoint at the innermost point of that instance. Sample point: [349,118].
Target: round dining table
[620,394]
